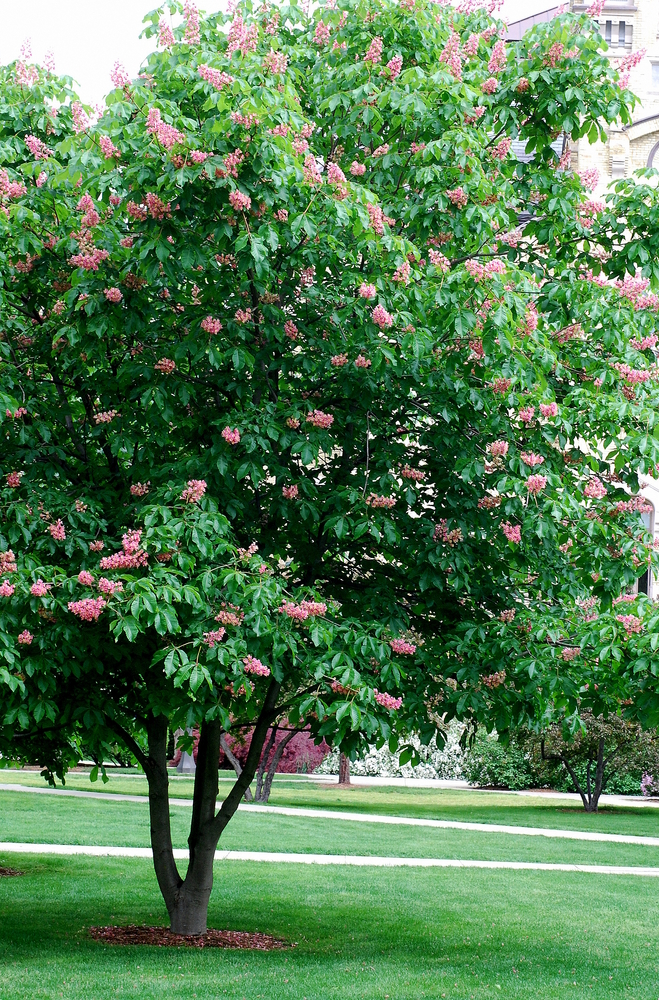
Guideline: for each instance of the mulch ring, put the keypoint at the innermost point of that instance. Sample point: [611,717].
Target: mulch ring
[162,937]
[8,872]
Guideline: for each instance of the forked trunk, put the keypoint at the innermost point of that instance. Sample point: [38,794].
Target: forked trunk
[187,898]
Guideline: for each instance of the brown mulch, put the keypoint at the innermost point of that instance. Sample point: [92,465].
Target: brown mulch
[8,872]
[162,937]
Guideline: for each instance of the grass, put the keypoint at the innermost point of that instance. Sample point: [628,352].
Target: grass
[360,934]
[56,819]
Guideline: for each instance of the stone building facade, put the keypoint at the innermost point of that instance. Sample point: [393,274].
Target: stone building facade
[628,26]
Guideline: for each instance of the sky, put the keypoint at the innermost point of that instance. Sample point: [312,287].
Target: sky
[86,37]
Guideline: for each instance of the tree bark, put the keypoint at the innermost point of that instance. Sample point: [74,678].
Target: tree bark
[187,899]
[344,769]
[263,793]
[235,764]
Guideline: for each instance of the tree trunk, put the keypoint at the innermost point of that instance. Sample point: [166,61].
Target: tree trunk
[344,769]
[187,899]
[263,792]
[235,763]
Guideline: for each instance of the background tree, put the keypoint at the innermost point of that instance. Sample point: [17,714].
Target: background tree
[287,263]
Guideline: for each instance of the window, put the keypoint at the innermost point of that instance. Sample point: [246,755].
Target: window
[621,33]
[655,76]
[607,32]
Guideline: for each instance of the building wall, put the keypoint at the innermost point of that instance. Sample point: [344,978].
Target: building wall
[631,147]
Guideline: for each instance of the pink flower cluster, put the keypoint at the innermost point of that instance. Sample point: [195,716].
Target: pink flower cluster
[234,617]
[490,85]
[570,653]
[39,149]
[414,474]
[131,557]
[362,362]
[119,76]
[289,492]
[387,700]
[438,260]
[14,479]
[498,59]
[211,325]
[109,586]
[40,589]
[113,294]
[7,562]
[192,33]
[393,68]
[321,34]
[374,500]
[339,360]
[536,484]
[526,414]
[210,638]
[85,578]
[290,329]
[502,148]
[165,365]
[305,609]
[6,588]
[239,201]
[165,34]
[374,53]
[530,458]
[166,135]
[357,169]
[105,417]
[194,491]
[451,56]
[11,189]
[231,436]
[442,534]
[367,291]
[319,419]
[631,623]
[594,489]
[254,666]
[215,77]
[498,449]
[402,273]
[275,63]
[108,148]
[310,171]
[140,489]
[57,531]
[89,609]
[25,638]
[458,197]
[80,119]
[381,317]
[549,409]
[501,385]
[495,680]
[637,504]
[401,646]
[513,532]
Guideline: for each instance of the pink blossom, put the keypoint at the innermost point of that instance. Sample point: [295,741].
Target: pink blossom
[374,53]
[39,149]
[320,419]
[367,291]
[494,680]
[393,67]
[490,85]
[401,646]
[108,148]
[57,531]
[438,260]
[536,484]
[281,215]
[549,409]
[165,34]
[113,294]
[6,588]
[96,546]
[241,37]
[40,589]
[80,119]
[89,609]
[166,134]
[310,171]
[293,423]
[192,32]
[457,197]
[211,325]
[526,414]
[109,586]
[321,34]
[275,63]
[501,385]
[381,317]
[140,489]
[631,624]
[41,179]
[362,362]
[231,436]
[530,458]
[451,56]
[165,365]
[594,489]
[498,449]
[357,169]
[216,78]
[502,148]
[289,492]
[290,329]
[303,610]
[381,150]
[339,360]
[239,201]
[375,500]
[523,85]
[414,474]
[210,638]
[119,76]
[513,532]
[105,417]
[85,578]
[497,62]
[334,174]
[402,273]
[254,666]
[194,490]
[25,638]
[198,156]
[471,45]
[475,269]
[14,479]
[387,700]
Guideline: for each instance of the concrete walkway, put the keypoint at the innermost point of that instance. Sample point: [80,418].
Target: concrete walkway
[329,859]
[361,817]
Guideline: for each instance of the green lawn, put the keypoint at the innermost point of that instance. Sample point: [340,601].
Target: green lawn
[58,819]
[368,934]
